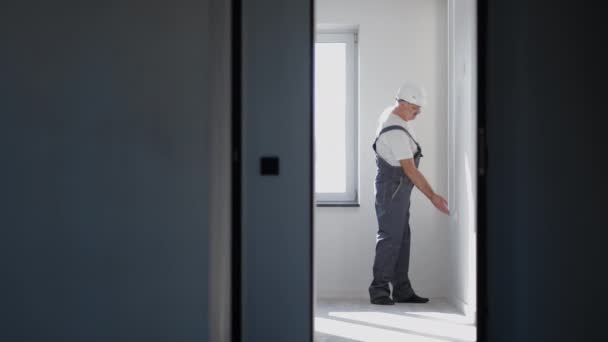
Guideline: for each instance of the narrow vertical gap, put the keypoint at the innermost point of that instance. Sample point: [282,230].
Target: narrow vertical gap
[236,136]
[482,311]
[312,169]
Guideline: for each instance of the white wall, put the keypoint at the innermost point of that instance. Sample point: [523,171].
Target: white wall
[463,155]
[398,40]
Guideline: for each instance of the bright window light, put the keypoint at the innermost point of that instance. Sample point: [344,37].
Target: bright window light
[330,119]
[335,118]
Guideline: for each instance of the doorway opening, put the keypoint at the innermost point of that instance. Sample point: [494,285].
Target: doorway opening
[364,51]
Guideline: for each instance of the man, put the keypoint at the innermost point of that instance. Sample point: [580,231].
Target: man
[397,158]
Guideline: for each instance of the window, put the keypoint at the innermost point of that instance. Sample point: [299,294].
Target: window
[335,110]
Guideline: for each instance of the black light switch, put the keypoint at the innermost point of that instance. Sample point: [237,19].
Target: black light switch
[269,166]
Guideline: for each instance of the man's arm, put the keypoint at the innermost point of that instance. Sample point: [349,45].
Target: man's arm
[421,183]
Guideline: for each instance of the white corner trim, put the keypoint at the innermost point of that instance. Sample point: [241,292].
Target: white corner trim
[463,307]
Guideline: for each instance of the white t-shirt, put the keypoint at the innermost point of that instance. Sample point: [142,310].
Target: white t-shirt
[395,145]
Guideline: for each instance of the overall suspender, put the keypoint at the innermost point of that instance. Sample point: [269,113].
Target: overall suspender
[400,128]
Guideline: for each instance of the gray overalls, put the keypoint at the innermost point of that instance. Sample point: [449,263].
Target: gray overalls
[393,192]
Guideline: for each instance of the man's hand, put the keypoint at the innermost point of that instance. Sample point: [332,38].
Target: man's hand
[410,170]
[440,203]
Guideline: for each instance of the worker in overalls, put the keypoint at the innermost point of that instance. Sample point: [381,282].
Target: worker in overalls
[397,157]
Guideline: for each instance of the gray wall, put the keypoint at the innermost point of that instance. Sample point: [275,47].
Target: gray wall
[220,150]
[277,210]
[104,171]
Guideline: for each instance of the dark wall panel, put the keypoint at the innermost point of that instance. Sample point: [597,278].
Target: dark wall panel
[546,232]
[103,190]
[277,210]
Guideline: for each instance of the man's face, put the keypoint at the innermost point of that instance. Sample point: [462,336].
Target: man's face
[409,110]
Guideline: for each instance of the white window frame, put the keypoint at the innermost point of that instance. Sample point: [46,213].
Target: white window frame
[351,196]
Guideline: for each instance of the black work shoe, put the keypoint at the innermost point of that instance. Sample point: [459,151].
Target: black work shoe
[382,301]
[412,299]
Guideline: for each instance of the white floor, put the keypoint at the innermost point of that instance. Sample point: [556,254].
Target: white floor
[358,320]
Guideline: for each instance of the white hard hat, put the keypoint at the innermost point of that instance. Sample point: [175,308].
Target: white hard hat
[411,93]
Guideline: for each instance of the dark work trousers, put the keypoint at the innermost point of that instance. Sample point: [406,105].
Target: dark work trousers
[393,194]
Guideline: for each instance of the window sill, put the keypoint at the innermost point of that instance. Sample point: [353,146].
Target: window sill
[338,204]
